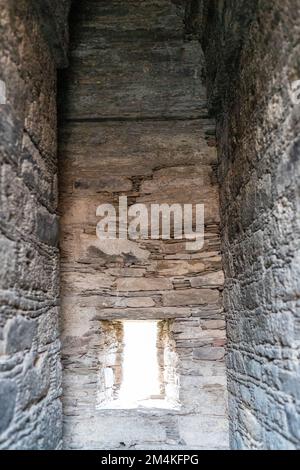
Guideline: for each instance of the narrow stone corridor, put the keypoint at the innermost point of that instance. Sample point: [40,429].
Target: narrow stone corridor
[135,123]
[114,114]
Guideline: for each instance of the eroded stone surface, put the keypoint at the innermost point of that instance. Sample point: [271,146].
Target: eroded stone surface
[30,371]
[253,62]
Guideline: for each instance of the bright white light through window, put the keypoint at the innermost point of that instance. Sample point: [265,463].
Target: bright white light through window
[147,381]
[140,363]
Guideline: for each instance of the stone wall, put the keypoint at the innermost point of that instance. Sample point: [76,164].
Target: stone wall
[253,60]
[30,371]
[135,123]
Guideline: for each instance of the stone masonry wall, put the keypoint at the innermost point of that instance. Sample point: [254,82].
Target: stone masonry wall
[135,123]
[253,60]
[30,371]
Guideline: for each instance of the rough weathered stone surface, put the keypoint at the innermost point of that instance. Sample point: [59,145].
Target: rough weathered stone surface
[18,335]
[143,79]
[53,19]
[252,56]
[8,392]
[136,124]
[30,373]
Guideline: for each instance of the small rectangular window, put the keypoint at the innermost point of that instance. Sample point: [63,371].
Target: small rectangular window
[144,368]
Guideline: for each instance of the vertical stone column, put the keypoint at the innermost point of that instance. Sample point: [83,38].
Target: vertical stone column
[253,74]
[30,371]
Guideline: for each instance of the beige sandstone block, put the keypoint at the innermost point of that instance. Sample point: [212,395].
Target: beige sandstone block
[155,313]
[137,302]
[190,297]
[179,268]
[212,279]
[143,284]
